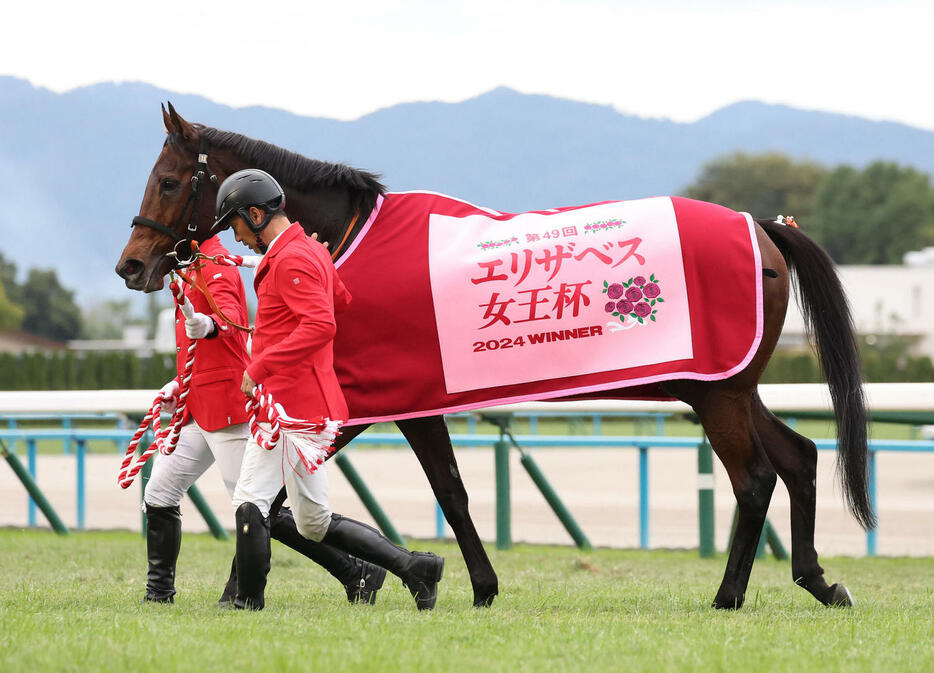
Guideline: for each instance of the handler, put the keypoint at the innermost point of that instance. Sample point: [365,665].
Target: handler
[215,428]
[299,292]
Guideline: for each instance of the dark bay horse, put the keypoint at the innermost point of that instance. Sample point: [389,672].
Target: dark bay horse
[753,445]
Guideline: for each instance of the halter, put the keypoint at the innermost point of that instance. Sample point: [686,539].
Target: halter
[194,199]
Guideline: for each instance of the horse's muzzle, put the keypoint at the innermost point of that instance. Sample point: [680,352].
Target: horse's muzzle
[137,277]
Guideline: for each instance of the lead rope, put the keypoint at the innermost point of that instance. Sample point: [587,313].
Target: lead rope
[152,419]
[312,439]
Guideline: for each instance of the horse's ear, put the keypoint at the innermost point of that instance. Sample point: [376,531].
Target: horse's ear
[167,120]
[179,125]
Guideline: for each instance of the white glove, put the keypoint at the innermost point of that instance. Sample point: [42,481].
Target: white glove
[197,325]
[170,392]
[252,261]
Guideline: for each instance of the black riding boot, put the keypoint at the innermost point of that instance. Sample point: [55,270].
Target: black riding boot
[419,571]
[163,539]
[361,580]
[252,557]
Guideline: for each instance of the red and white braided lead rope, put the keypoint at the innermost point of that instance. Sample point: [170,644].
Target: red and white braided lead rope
[129,469]
[313,440]
[233,260]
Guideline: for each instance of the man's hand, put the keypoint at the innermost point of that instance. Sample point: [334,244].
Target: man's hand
[247,385]
[170,394]
[197,325]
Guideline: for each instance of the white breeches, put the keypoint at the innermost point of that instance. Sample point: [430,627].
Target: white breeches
[263,474]
[197,450]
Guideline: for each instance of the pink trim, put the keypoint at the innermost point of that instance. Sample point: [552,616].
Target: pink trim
[693,376]
[363,232]
[453,198]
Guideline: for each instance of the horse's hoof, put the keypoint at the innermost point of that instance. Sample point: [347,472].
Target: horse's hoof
[840,597]
[484,601]
[727,603]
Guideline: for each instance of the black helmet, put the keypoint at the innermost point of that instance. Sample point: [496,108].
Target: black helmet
[249,187]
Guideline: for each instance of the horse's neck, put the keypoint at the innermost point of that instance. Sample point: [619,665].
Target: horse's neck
[322,211]
[328,213]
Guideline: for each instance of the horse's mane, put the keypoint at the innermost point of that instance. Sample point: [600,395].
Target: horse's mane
[289,168]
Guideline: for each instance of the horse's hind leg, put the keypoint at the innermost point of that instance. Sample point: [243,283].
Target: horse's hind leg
[727,419]
[794,457]
[431,443]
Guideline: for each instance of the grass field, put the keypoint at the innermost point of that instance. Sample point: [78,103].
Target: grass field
[72,604]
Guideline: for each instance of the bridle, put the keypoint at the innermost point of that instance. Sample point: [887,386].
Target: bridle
[194,199]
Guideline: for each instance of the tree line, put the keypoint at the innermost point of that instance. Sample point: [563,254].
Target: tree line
[872,215]
[40,305]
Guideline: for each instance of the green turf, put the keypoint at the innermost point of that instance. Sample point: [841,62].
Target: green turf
[72,604]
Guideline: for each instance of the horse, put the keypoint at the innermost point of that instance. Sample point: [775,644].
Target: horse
[332,200]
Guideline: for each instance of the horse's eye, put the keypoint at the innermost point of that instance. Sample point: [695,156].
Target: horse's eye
[168,184]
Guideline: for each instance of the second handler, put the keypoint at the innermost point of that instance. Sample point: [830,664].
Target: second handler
[298,293]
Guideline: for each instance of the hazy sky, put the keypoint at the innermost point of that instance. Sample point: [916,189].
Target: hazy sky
[675,59]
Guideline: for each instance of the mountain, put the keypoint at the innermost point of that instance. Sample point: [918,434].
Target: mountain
[73,166]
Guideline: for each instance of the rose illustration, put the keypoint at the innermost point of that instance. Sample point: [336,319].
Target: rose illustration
[642,309]
[633,294]
[651,291]
[639,280]
[614,291]
[624,306]
[610,306]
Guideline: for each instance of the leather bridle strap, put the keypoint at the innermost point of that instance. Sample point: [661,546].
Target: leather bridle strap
[350,227]
[194,199]
[152,224]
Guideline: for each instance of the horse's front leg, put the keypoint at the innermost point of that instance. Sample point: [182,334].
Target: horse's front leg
[431,443]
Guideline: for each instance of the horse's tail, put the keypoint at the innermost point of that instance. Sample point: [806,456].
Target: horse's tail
[827,318]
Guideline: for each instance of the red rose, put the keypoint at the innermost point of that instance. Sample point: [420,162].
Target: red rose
[624,306]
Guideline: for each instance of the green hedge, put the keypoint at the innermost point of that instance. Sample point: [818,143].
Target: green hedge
[879,366]
[89,371]
[108,371]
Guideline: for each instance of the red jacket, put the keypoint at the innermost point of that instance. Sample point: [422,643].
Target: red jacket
[215,400]
[298,292]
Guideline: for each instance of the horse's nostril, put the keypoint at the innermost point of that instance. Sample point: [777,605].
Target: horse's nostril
[130,268]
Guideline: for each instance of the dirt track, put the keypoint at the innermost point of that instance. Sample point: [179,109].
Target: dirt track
[599,486]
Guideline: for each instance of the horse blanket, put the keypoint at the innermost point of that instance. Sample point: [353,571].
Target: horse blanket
[458,307]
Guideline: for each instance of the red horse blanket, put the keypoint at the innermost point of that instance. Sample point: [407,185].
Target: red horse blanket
[458,307]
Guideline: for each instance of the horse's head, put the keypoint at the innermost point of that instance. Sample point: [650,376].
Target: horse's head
[177,208]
